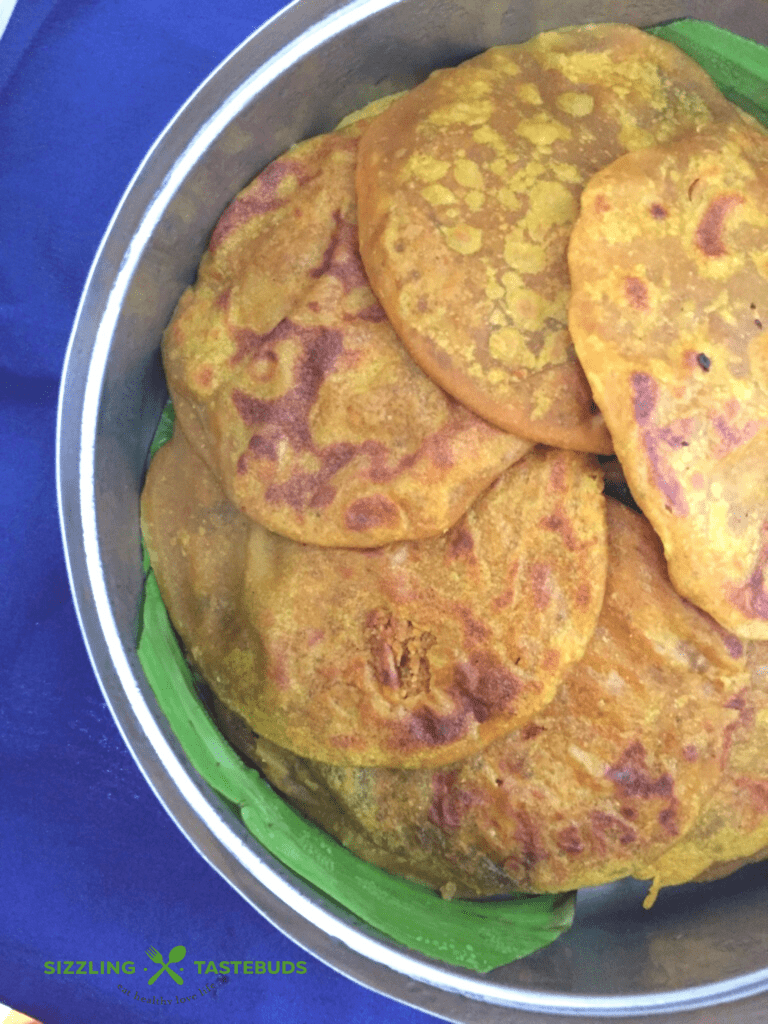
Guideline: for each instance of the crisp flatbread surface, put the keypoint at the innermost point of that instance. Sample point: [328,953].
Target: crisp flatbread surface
[416,653]
[732,828]
[612,773]
[291,383]
[468,187]
[669,315]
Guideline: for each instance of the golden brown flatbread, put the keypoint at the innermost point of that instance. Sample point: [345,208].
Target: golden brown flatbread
[732,828]
[416,653]
[669,316]
[292,385]
[468,188]
[608,776]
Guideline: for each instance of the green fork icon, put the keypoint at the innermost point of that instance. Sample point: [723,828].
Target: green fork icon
[177,953]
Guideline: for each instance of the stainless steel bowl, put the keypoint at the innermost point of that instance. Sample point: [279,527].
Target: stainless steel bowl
[701,946]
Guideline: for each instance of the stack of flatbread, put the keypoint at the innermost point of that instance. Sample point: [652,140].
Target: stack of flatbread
[423,356]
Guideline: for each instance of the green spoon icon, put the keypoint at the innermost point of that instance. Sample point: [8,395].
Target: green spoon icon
[177,953]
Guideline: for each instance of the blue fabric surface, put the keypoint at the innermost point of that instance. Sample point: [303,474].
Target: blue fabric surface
[91,867]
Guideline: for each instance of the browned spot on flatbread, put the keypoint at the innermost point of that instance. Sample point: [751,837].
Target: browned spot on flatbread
[729,435]
[474,630]
[645,395]
[636,292]
[538,576]
[292,384]
[680,377]
[530,842]
[540,803]
[287,417]
[709,233]
[752,597]
[583,594]
[402,645]
[374,313]
[373,511]
[551,659]
[461,544]
[740,703]
[668,819]
[530,732]
[569,841]
[341,258]
[484,685]
[757,794]
[427,729]
[469,186]
[311,490]
[559,522]
[449,804]
[631,776]
[205,376]
[609,830]
[601,204]
[481,688]
[656,443]
[263,198]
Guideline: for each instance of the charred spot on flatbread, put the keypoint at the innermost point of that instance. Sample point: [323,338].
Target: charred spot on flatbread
[415,653]
[611,773]
[468,188]
[291,383]
[670,288]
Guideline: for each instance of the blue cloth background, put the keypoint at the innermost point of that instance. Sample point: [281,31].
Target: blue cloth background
[91,867]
